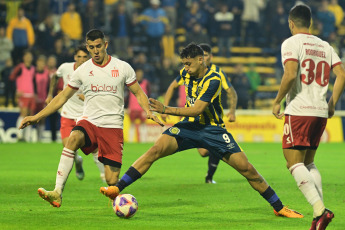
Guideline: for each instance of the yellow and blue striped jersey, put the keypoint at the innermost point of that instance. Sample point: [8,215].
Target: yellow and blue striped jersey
[225,80]
[208,89]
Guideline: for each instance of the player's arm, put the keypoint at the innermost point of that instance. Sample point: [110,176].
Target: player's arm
[210,91]
[338,88]
[52,87]
[143,101]
[193,111]
[170,92]
[289,76]
[232,100]
[52,107]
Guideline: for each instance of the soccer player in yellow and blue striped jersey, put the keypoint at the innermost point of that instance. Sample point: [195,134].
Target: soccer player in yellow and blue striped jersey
[201,127]
[232,102]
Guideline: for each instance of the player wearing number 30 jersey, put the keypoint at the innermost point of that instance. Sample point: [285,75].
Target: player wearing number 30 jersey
[307,62]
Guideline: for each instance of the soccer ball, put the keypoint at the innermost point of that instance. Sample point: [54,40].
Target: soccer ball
[125,205]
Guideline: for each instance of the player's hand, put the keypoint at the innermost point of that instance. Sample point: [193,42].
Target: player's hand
[331,108]
[231,117]
[30,120]
[276,111]
[81,97]
[156,106]
[49,99]
[153,117]
[164,117]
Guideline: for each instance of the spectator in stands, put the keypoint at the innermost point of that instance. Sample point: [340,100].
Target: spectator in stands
[58,7]
[193,16]
[254,80]
[327,19]
[241,83]
[23,74]
[10,85]
[134,109]
[170,7]
[250,21]
[61,52]
[224,20]
[236,7]
[154,20]
[109,8]
[54,118]
[280,26]
[47,33]
[141,62]
[338,12]
[71,24]
[6,46]
[41,81]
[166,73]
[92,15]
[121,31]
[197,34]
[21,33]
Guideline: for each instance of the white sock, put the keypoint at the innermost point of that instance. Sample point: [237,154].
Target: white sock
[28,134]
[65,167]
[306,184]
[317,178]
[98,163]
[40,129]
[20,131]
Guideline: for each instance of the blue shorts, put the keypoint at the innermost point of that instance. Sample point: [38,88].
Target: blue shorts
[215,139]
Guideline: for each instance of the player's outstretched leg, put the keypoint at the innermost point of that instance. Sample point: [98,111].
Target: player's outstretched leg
[164,146]
[239,161]
[53,197]
[79,171]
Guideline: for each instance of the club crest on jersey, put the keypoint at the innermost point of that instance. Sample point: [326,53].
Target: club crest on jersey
[114,72]
[91,73]
[174,130]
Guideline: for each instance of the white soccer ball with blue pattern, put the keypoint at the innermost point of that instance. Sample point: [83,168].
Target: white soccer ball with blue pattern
[125,205]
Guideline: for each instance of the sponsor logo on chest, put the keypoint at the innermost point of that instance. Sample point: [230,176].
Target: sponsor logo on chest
[103,88]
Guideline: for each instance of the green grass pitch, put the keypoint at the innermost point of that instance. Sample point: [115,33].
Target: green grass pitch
[172,195]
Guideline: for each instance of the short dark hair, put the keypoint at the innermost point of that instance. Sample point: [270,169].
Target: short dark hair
[192,50]
[301,15]
[81,48]
[94,34]
[206,47]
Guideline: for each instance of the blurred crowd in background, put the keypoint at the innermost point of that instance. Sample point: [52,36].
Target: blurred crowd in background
[149,33]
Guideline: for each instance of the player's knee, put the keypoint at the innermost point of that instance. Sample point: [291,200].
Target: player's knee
[111,180]
[75,140]
[203,152]
[154,153]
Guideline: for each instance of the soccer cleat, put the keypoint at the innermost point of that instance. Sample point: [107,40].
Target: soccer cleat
[54,198]
[112,191]
[323,220]
[79,171]
[313,224]
[289,213]
[210,181]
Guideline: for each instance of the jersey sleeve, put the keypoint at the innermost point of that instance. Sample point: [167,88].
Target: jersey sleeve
[130,75]
[76,82]
[59,71]
[225,80]
[211,89]
[335,58]
[179,80]
[289,51]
